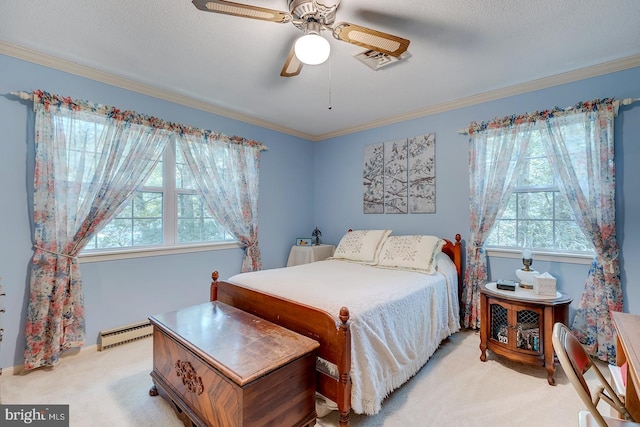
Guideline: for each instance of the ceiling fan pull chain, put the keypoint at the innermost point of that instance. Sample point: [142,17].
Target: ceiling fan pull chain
[330,64]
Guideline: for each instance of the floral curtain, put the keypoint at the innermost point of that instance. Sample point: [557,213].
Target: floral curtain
[89,160]
[494,150]
[227,174]
[581,142]
[579,145]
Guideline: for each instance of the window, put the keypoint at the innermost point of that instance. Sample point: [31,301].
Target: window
[167,211]
[537,211]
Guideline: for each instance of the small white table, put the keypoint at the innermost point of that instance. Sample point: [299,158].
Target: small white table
[312,253]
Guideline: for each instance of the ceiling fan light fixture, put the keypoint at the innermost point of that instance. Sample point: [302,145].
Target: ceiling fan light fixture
[312,49]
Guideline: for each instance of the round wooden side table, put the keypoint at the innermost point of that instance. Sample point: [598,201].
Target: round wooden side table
[518,325]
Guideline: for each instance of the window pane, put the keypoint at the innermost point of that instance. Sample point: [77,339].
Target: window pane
[539,233]
[189,206]
[563,210]
[156,177]
[116,234]
[535,147]
[138,224]
[189,230]
[126,211]
[200,230]
[184,177]
[147,205]
[147,232]
[147,218]
[212,231]
[194,222]
[572,238]
[535,171]
[535,205]
[511,211]
[503,234]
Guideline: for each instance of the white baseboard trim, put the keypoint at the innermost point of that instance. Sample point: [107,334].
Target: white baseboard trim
[19,369]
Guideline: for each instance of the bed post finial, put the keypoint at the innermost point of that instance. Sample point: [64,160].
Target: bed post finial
[344,367]
[457,259]
[214,286]
[344,315]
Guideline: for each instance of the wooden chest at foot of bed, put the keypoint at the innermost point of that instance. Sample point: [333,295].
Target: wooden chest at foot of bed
[220,366]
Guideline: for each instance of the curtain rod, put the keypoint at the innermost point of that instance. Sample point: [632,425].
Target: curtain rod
[616,105]
[23,95]
[167,125]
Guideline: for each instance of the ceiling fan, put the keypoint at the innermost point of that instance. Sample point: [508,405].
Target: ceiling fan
[312,17]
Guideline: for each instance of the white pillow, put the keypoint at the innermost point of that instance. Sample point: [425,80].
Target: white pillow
[361,245]
[416,253]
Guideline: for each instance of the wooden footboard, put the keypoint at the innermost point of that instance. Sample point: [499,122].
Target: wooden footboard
[333,335]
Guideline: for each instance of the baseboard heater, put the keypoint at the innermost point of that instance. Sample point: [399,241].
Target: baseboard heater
[124,334]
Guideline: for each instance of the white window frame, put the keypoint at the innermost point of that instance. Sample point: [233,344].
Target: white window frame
[169,224]
[572,257]
[541,255]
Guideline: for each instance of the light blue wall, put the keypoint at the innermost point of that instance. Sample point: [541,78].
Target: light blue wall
[338,184]
[121,292]
[293,198]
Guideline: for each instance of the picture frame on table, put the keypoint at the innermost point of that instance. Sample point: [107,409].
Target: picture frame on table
[303,241]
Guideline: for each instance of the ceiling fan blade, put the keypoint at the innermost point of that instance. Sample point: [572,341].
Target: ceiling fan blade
[292,66]
[370,39]
[242,10]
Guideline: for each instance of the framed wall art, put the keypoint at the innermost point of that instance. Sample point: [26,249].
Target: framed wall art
[399,176]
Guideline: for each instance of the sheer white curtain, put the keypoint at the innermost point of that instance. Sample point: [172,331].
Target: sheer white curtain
[580,148]
[579,145]
[88,163]
[494,150]
[227,174]
[90,159]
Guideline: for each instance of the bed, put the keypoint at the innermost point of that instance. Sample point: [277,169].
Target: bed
[377,321]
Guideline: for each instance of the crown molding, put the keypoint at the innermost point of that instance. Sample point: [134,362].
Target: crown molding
[114,80]
[40,58]
[519,89]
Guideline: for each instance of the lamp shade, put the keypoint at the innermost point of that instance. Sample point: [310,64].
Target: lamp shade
[312,49]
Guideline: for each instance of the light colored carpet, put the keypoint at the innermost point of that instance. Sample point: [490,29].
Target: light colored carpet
[110,388]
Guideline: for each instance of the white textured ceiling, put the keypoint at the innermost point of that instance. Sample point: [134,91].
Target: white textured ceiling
[231,65]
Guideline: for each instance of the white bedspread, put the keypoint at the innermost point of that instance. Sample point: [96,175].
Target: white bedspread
[398,318]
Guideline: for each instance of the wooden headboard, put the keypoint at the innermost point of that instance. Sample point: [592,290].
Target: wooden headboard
[454,250]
